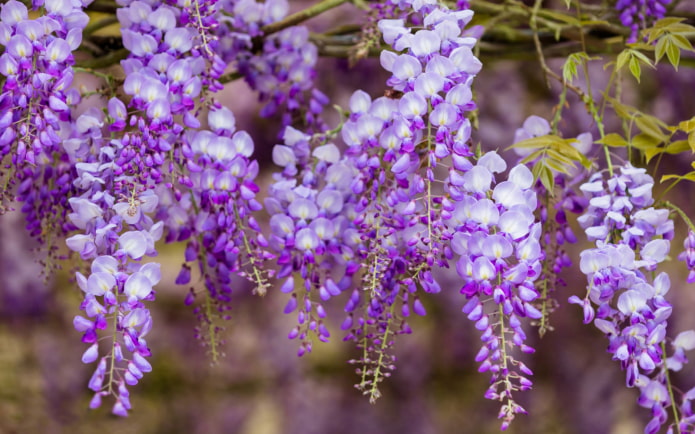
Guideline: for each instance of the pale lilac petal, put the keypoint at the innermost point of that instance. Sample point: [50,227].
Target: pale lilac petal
[137,286]
[91,354]
[152,271]
[521,176]
[477,180]
[493,162]
[100,283]
[592,261]
[328,153]
[685,340]
[134,244]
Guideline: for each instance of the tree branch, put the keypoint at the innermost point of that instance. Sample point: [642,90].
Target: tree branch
[301,16]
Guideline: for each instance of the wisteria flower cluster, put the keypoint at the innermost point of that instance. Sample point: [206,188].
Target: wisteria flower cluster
[282,68]
[552,212]
[34,104]
[632,238]
[383,196]
[364,223]
[119,160]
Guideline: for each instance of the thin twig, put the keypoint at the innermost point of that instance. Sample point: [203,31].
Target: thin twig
[301,16]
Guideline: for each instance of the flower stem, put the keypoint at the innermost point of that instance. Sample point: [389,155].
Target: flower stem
[676,418]
[374,393]
[682,214]
[214,354]
[113,346]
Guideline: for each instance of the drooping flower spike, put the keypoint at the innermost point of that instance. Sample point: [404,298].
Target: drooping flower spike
[553,209]
[35,108]
[282,69]
[170,71]
[631,239]
[381,204]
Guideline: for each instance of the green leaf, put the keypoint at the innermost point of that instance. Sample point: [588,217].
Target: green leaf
[545,174]
[650,125]
[533,156]
[623,111]
[652,152]
[667,177]
[635,69]
[680,28]
[536,142]
[556,166]
[561,159]
[644,142]
[569,70]
[570,151]
[664,23]
[636,46]
[682,42]
[553,151]
[642,57]
[687,126]
[677,147]
[673,53]
[623,57]
[690,176]
[660,49]
[613,140]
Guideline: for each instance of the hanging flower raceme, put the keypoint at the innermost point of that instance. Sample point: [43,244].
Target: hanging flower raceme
[223,237]
[35,105]
[398,221]
[310,204]
[116,235]
[632,238]
[497,238]
[553,209]
[37,65]
[398,146]
[688,255]
[166,72]
[163,78]
[172,70]
[282,70]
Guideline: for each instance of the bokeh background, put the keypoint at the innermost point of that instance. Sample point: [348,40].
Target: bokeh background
[262,387]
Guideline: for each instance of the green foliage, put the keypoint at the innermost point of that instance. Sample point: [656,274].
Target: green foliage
[551,154]
[569,69]
[670,36]
[688,127]
[690,176]
[654,136]
[633,58]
